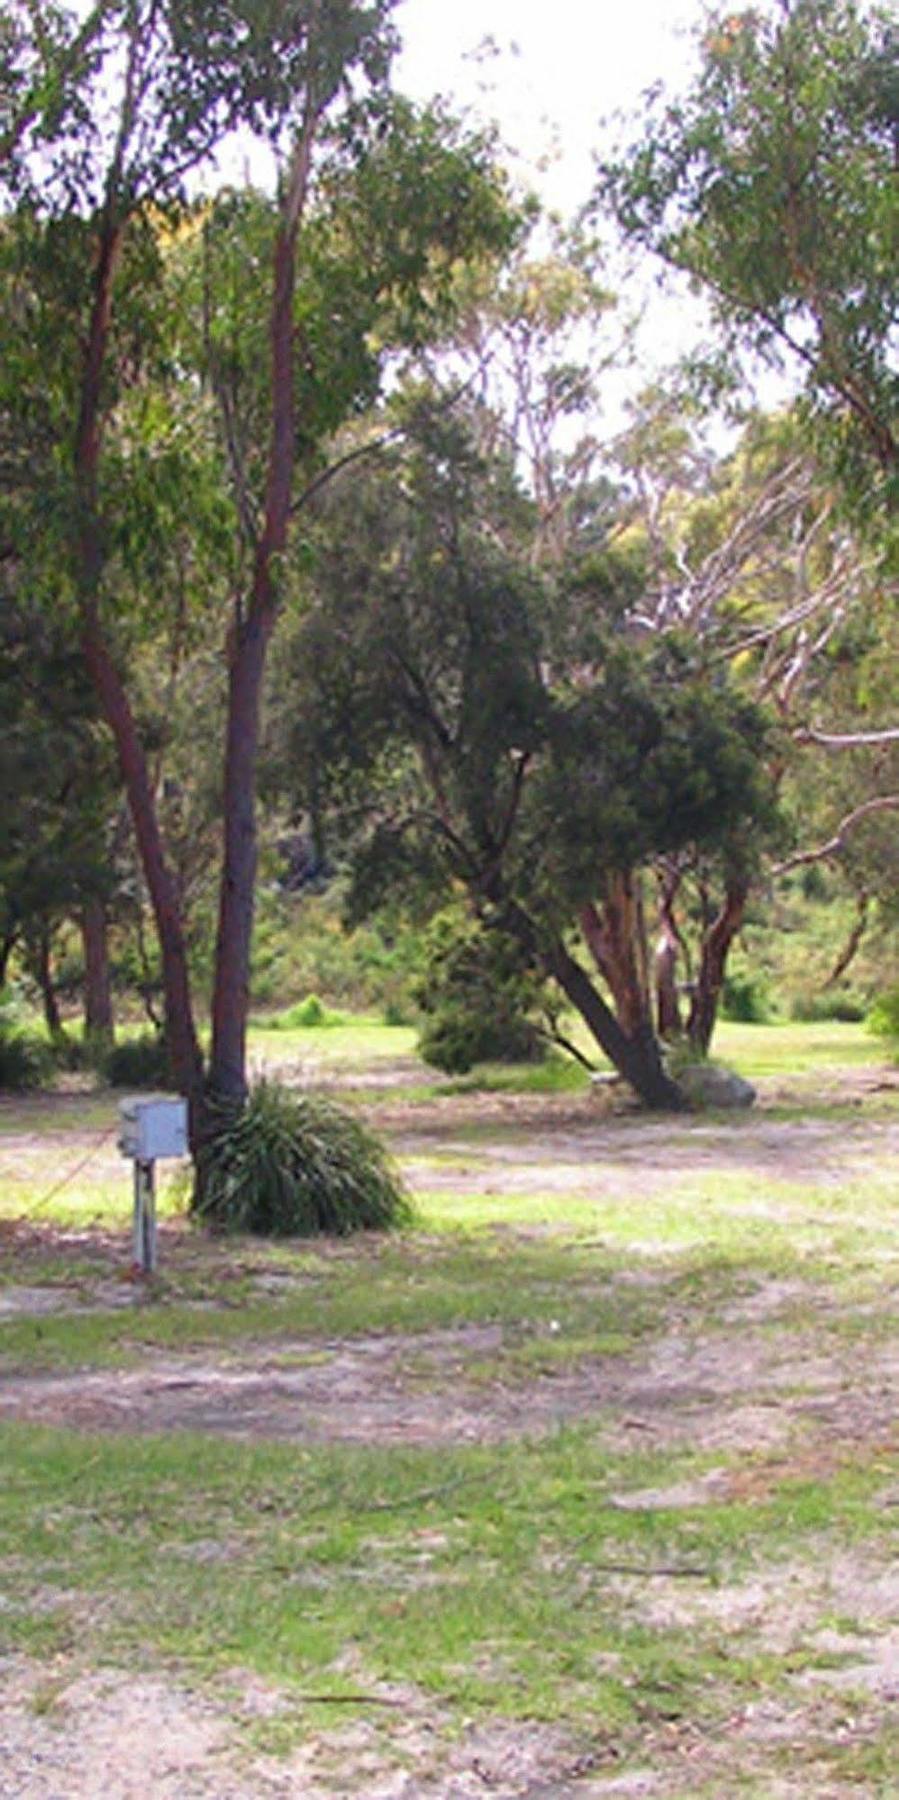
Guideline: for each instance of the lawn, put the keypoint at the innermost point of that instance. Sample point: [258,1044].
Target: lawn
[588,1479]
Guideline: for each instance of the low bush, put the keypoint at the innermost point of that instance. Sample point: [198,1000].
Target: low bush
[140,1062]
[478,995]
[287,1165]
[455,1040]
[843,1008]
[883,1018]
[26,1061]
[744,1001]
[310,1014]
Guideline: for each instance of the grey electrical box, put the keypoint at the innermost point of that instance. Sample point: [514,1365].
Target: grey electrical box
[152,1127]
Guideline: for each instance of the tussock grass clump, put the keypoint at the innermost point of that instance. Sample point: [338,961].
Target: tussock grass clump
[288,1165]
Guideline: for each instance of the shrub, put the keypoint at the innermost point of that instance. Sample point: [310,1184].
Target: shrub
[308,1015]
[743,1001]
[287,1165]
[883,1018]
[455,1040]
[477,995]
[140,1062]
[26,1061]
[818,1009]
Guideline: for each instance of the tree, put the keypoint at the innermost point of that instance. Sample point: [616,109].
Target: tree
[59,789]
[428,700]
[95,166]
[774,184]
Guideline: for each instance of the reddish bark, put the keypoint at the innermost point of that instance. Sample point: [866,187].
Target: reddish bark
[712,963]
[636,1057]
[249,644]
[667,950]
[183,1044]
[184,1048]
[616,938]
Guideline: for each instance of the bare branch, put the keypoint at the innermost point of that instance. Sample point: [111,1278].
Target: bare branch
[846,740]
[837,844]
[854,939]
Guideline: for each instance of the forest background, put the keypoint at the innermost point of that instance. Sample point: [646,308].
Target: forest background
[584,731]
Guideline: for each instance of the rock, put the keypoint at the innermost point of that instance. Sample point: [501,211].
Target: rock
[708,1085]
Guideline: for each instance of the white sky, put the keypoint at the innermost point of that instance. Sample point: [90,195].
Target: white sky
[563,64]
[562,67]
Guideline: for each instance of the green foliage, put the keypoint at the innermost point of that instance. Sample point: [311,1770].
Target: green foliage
[302,946]
[308,1015]
[839,1004]
[476,993]
[745,1001]
[772,183]
[883,1018]
[26,1061]
[139,1062]
[284,1165]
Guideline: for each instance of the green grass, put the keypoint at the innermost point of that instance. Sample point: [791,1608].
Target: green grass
[488,1577]
[789,1048]
[481,1575]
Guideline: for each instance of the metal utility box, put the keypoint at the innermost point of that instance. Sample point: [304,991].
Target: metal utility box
[152,1127]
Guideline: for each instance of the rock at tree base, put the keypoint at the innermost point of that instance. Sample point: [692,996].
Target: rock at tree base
[706,1084]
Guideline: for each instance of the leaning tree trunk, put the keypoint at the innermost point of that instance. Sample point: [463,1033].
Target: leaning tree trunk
[636,1055]
[99,1023]
[183,1044]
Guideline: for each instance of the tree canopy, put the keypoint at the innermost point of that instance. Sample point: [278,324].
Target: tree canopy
[773,182]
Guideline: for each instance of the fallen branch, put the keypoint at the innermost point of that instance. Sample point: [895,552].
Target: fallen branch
[674,1571]
[349,1700]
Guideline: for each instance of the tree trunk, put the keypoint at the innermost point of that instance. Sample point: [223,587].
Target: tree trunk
[42,965]
[712,964]
[99,1024]
[236,896]
[636,1057]
[183,1044]
[615,935]
[7,946]
[668,945]
[250,641]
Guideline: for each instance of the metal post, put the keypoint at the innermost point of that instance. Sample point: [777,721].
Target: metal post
[144,1217]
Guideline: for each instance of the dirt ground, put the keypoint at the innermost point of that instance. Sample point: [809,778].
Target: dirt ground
[69,1733]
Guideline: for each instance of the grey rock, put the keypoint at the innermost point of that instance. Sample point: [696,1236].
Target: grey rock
[707,1084]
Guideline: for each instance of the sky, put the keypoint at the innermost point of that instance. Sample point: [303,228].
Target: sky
[561,66]
[558,68]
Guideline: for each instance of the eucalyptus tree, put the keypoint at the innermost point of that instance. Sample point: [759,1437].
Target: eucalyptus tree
[773,182]
[98,161]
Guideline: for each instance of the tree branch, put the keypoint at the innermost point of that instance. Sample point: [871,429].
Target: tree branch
[837,844]
[846,740]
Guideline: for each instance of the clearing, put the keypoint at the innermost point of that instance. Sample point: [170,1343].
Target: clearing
[589,1485]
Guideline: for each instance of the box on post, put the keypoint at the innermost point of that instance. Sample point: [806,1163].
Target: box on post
[152,1126]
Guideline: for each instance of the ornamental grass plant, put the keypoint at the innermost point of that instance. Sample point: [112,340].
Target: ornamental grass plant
[296,1165]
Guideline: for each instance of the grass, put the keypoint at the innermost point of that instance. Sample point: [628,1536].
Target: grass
[490,1579]
[587,1574]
